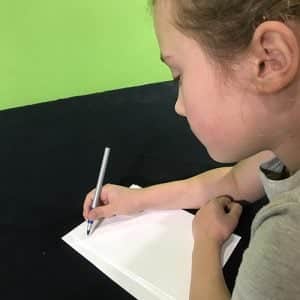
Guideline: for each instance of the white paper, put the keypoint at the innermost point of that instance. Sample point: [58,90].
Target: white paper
[148,254]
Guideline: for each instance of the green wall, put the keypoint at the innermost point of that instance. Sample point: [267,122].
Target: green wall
[53,49]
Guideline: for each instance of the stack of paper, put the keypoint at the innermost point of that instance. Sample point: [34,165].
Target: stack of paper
[148,254]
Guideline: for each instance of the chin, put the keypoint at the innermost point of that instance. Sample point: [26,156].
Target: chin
[228,154]
[223,157]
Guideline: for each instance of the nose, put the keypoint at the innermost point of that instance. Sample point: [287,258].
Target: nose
[179,107]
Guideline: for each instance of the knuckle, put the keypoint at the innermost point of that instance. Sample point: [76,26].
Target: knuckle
[95,214]
[108,186]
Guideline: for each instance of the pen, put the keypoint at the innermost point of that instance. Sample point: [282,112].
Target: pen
[99,185]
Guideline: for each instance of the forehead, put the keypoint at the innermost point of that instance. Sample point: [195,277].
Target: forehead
[168,36]
[172,41]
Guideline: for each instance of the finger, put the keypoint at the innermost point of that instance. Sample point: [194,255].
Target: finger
[235,210]
[105,211]
[225,202]
[226,196]
[104,194]
[88,203]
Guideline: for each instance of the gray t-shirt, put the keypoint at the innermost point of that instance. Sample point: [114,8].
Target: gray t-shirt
[270,269]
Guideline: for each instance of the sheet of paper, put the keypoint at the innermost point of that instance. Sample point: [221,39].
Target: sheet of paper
[147,254]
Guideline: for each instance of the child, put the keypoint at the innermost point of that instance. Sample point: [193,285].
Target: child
[238,67]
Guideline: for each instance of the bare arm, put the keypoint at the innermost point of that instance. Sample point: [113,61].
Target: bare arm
[210,283]
[212,226]
[240,182]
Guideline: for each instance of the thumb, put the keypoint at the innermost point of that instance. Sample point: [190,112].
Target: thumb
[104,211]
[235,210]
[224,202]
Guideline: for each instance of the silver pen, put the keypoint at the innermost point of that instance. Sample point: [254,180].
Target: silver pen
[99,185]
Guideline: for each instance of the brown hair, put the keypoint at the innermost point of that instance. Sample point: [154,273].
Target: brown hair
[225,27]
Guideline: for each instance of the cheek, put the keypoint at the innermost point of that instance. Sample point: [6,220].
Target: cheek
[205,126]
[212,109]
[206,129]
[213,119]
[202,109]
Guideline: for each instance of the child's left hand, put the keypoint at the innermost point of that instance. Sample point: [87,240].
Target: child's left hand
[216,220]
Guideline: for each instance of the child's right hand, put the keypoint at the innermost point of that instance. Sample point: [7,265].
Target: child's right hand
[116,200]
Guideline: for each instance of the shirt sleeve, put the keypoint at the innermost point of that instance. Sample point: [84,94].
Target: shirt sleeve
[270,269]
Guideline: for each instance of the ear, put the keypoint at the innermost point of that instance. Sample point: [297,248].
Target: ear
[276,56]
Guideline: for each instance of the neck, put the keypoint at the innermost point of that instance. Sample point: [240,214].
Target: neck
[285,120]
[287,147]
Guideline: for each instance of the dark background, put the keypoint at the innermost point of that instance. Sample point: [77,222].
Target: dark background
[50,155]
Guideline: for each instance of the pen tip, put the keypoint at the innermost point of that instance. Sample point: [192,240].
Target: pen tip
[88,232]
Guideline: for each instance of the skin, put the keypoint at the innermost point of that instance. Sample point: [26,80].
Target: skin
[229,117]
